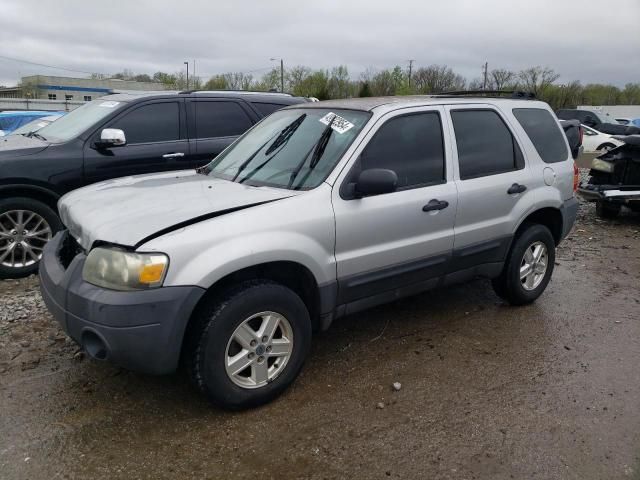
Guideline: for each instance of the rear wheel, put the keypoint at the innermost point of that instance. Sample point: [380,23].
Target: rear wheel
[26,225]
[249,345]
[607,209]
[529,266]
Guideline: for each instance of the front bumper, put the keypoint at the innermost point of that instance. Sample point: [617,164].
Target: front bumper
[140,330]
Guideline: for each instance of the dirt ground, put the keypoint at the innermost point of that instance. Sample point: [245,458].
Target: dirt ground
[489,391]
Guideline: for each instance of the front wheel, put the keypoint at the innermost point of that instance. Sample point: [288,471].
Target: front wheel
[529,266]
[249,345]
[26,225]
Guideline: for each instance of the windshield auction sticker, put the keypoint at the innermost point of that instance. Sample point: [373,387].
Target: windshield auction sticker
[338,123]
[109,104]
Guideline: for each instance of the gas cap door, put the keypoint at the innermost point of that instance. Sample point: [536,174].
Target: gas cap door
[549,176]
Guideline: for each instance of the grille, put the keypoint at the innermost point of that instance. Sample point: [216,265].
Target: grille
[69,249]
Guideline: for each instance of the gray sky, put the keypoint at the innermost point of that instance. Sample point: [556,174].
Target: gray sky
[589,40]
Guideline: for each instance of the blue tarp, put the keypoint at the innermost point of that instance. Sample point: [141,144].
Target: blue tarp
[9,121]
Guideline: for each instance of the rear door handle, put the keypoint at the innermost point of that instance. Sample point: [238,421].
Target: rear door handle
[435,205]
[516,188]
[173,155]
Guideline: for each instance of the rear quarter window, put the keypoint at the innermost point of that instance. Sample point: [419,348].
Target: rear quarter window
[544,133]
[267,108]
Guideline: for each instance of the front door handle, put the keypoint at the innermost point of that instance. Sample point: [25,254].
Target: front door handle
[435,205]
[516,188]
[173,155]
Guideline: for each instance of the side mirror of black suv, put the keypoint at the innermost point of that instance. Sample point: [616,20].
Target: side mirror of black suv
[111,137]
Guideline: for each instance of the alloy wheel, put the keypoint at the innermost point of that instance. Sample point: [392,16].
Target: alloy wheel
[534,265]
[23,235]
[259,350]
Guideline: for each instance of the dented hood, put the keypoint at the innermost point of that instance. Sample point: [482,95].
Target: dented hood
[130,210]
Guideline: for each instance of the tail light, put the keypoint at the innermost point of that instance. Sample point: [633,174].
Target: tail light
[576,175]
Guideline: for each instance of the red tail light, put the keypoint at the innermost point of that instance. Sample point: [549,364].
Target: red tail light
[576,175]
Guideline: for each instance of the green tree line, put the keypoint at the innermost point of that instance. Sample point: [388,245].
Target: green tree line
[336,82]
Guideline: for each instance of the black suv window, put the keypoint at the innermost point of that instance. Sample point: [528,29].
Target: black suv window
[544,133]
[267,108]
[485,144]
[155,122]
[220,119]
[411,146]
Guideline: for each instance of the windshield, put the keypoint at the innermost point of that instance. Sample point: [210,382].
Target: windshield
[294,149]
[78,120]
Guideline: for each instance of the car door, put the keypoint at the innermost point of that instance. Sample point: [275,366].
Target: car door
[155,141]
[493,185]
[401,240]
[214,124]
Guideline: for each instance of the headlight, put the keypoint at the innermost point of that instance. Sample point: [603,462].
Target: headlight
[602,165]
[122,270]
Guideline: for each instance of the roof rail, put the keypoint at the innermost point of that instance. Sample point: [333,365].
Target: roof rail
[250,92]
[489,93]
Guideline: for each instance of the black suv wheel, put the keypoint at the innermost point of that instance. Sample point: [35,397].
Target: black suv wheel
[26,225]
[247,348]
[607,209]
[529,266]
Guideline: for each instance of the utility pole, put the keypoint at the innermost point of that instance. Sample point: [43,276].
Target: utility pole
[485,69]
[187,64]
[410,70]
[281,76]
[194,74]
[281,73]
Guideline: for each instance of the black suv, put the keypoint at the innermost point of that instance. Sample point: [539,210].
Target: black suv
[113,136]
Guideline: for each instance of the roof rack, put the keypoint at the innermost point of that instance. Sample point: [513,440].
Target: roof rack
[489,93]
[248,92]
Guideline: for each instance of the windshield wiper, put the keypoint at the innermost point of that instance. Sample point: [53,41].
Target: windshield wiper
[318,151]
[282,138]
[37,135]
[286,134]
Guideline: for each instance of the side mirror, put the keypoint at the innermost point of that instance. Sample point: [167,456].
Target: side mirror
[376,181]
[111,137]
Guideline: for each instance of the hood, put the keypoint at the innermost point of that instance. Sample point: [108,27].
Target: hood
[19,146]
[129,211]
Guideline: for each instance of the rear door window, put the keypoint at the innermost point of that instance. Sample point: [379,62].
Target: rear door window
[544,133]
[485,144]
[220,119]
[155,122]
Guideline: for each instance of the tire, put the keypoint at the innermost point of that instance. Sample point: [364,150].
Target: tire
[605,147]
[213,340]
[20,255]
[509,285]
[607,210]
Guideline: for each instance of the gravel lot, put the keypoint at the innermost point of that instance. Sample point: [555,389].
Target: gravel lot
[549,390]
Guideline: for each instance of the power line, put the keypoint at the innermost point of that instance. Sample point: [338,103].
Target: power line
[47,66]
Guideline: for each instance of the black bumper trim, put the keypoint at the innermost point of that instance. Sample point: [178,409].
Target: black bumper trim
[142,330]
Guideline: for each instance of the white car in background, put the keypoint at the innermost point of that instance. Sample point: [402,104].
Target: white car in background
[595,141]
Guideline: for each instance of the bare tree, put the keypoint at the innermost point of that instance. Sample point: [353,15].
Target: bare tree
[295,76]
[501,78]
[437,79]
[537,79]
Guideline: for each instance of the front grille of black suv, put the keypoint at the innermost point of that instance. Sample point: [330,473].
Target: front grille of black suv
[69,249]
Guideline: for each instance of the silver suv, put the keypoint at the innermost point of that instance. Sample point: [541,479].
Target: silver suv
[320,210]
